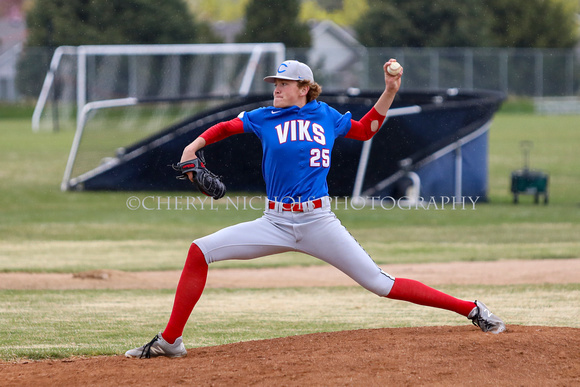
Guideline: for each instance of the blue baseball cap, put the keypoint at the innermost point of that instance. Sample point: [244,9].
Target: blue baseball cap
[292,70]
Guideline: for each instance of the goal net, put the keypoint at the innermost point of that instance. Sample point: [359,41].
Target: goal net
[114,96]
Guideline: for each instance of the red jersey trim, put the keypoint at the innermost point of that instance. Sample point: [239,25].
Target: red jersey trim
[363,130]
[223,130]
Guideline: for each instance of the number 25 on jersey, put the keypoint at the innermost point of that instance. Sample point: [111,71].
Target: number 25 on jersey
[320,157]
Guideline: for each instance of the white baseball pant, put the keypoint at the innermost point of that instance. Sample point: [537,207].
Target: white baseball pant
[317,232]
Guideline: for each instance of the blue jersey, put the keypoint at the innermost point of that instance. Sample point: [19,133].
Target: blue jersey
[297,145]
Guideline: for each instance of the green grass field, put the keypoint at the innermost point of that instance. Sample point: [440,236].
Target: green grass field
[45,230]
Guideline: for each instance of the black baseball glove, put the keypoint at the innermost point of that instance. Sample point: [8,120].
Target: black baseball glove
[207,182]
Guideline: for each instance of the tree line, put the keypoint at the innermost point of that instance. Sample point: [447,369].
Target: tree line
[386,23]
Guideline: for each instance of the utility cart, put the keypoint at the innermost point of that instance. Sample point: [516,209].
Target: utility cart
[529,182]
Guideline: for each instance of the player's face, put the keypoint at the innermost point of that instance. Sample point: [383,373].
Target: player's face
[287,93]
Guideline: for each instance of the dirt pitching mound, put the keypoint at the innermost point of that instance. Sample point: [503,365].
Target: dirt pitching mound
[434,356]
[522,356]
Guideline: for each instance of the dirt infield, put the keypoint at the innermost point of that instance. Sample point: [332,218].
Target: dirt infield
[435,356]
[504,272]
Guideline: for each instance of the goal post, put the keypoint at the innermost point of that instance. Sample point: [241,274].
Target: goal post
[85,81]
[80,54]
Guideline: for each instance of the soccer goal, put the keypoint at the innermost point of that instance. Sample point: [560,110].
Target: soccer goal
[116,95]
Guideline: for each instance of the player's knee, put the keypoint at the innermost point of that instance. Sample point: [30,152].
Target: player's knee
[381,284]
[195,256]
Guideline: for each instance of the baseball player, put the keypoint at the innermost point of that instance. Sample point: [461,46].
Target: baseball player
[297,134]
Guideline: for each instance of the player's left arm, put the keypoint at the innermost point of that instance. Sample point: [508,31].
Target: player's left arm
[369,125]
[214,134]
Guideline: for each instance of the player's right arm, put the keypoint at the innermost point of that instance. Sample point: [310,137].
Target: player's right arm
[392,85]
[369,125]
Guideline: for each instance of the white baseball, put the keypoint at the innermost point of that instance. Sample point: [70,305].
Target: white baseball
[394,68]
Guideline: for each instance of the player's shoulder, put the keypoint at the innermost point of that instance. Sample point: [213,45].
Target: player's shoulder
[322,107]
[261,111]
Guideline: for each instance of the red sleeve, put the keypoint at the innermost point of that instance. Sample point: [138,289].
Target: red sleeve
[367,127]
[223,130]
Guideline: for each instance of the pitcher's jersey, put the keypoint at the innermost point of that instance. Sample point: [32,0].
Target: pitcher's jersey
[297,145]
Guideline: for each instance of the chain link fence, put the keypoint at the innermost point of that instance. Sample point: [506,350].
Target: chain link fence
[516,72]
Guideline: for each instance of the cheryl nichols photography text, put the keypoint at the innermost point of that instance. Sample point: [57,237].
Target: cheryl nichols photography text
[256,203]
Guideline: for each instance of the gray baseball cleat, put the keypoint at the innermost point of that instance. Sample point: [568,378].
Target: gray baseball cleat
[482,317]
[159,347]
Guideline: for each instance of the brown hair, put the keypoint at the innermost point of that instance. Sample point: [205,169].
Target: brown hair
[313,92]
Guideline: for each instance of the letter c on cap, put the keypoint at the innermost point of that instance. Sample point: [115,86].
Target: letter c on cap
[279,67]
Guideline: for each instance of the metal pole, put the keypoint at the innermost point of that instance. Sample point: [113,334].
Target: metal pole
[83,117]
[250,71]
[366,150]
[81,82]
